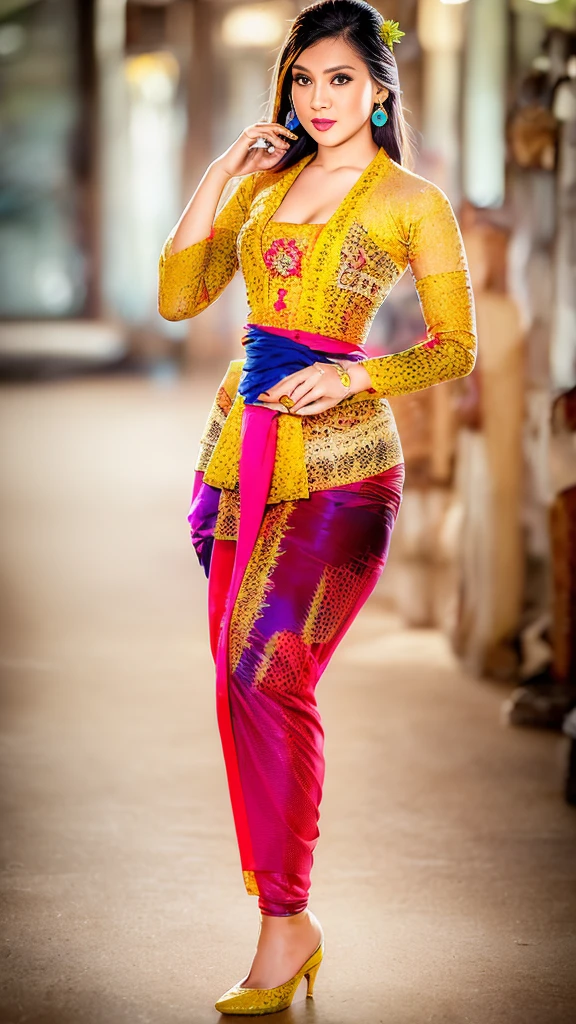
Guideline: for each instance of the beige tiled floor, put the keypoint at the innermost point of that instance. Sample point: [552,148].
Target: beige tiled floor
[445,872]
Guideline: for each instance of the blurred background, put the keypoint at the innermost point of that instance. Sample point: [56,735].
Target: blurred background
[110,112]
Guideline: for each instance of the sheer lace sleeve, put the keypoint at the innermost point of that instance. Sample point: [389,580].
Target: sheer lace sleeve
[193,278]
[439,267]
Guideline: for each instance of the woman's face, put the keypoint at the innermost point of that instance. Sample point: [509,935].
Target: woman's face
[331,83]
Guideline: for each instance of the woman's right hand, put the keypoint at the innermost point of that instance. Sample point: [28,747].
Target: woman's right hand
[239,159]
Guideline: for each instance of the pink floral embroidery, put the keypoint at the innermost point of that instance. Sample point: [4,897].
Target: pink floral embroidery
[284,258]
[432,342]
[280,304]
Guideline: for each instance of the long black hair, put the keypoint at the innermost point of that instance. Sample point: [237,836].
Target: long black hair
[358,23]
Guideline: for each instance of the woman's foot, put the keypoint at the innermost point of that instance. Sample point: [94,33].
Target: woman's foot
[284,944]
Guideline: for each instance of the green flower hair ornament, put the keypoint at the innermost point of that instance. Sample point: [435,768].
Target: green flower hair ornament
[390,33]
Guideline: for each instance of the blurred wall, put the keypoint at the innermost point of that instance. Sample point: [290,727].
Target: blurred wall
[48,250]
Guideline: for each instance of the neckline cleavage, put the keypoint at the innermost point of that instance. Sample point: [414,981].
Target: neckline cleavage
[305,161]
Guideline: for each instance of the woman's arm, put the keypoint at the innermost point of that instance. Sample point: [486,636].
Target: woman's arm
[438,264]
[199,257]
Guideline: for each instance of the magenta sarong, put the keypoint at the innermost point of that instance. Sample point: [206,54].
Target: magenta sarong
[280,599]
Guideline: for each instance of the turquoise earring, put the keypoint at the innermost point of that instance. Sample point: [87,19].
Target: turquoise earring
[379,117]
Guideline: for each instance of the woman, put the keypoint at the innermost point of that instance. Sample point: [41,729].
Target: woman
[299,477]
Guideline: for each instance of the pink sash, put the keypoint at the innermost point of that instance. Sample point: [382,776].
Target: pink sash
[257,457]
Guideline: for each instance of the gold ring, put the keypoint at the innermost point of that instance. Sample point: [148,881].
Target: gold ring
[286,401]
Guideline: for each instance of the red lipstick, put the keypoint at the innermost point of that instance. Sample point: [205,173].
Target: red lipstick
[322,123]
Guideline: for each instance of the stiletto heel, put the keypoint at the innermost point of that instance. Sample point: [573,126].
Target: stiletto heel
[257,1001]
[311,978]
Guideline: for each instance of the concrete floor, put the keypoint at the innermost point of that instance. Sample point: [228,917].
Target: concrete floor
[444,875]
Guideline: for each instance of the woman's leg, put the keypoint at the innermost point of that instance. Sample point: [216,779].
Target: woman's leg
[314,564]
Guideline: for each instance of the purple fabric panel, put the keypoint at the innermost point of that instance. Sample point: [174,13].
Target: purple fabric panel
[202,518]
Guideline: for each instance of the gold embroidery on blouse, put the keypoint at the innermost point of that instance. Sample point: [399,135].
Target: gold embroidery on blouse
[286,251]
[228,518]
[218,413]
[364,267]
[353,440]
[391,220]
[361,441]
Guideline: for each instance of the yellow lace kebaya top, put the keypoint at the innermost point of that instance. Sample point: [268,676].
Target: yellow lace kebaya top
[330,279]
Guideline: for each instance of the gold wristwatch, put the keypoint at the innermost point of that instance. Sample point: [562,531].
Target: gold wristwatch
[343,374]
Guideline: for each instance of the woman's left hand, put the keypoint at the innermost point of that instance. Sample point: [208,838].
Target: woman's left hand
[313,389]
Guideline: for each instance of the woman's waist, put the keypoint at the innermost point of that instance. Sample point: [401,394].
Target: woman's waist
[339,314]
[362,403]
[310,339]
[272,355]
[354,439]
[343,444]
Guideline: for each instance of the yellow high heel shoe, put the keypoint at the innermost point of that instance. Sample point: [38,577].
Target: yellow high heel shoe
[256,1001]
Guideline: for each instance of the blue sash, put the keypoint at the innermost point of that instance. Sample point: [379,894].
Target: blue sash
[271,357]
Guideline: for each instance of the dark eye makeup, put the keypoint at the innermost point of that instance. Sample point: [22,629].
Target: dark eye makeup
[295,78]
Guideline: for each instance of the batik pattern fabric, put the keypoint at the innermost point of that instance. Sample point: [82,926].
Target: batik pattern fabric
[313,565]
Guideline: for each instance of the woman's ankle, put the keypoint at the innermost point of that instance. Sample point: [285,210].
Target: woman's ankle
[280,920]
[292,925]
